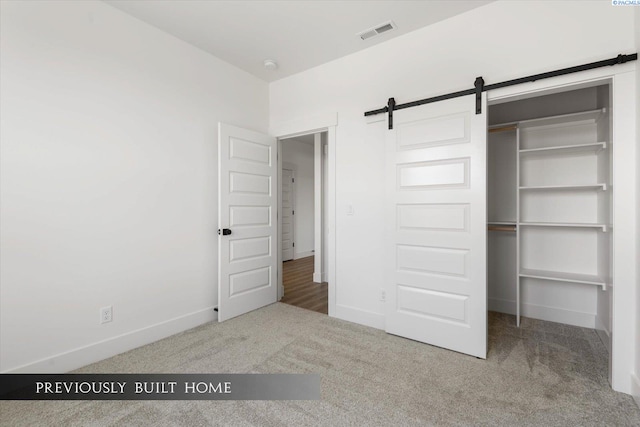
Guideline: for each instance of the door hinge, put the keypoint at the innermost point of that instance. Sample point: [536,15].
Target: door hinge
[293,212]
[293,180]
[293,245]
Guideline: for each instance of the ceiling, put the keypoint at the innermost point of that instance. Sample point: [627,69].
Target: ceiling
[298,34]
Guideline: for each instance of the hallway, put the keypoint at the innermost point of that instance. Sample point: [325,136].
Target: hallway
[299,288]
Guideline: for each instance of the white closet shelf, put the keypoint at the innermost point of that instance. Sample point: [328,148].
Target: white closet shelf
[563,149]
[603,227]
[501,223]
[596,187]
[564,119]
[561,276]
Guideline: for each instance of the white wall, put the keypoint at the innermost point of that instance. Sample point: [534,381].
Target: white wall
[438,59]
[499,41]
[109,181]
[300,154]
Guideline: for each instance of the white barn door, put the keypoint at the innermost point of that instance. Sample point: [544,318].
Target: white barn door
[436,234]
[247,241]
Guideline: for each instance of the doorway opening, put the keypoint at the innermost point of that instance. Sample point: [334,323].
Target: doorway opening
[303,214]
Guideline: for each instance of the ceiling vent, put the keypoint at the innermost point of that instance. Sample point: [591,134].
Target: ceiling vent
[377,30]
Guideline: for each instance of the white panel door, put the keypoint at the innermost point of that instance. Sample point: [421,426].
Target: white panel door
[247,258]
[436,234]
[287,214]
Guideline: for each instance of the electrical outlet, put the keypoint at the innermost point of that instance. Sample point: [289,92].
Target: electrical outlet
[383,295]
[106,314]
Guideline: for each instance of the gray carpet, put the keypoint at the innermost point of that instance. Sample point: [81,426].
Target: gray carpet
[543,374]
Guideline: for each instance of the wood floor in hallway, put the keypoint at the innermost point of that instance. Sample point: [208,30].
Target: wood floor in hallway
[299,288]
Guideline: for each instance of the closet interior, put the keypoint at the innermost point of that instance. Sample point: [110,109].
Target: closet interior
[550,208]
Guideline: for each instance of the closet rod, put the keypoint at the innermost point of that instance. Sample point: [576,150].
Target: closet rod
[480,87]
[503,128]
[501,228]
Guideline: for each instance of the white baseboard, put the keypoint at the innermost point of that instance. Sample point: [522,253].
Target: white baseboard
[603,333]
[320,277]
[298,255]
[553,314]
[502,305]
[362,317]
[635,388]
[79,357]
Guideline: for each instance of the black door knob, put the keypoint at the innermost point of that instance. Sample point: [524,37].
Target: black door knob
[224,231]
